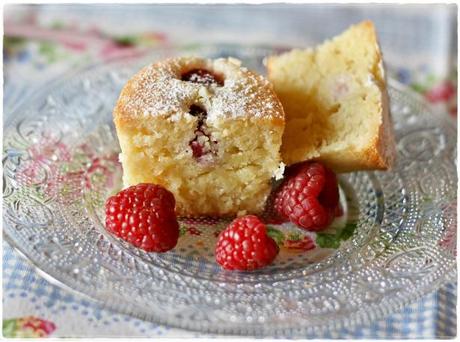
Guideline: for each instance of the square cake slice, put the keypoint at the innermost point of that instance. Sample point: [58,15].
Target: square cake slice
[336,102]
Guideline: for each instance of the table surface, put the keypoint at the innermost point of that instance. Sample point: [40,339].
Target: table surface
[43,42]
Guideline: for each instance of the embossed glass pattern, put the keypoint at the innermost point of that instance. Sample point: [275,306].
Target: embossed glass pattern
[60,163]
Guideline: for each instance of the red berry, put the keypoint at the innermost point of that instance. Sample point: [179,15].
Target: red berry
[329,195]
[308,196]
[144,216]
[244,245]
[197,149]
[202,76]
[278,203]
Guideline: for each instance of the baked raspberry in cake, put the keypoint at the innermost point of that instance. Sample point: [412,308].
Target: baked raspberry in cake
[208,130]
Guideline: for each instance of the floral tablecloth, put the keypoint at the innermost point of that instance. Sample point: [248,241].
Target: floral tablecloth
[43,42]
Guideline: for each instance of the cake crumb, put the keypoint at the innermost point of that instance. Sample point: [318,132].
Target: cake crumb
[279,171]
[241,213]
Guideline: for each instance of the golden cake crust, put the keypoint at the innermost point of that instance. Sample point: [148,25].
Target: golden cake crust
[157,91]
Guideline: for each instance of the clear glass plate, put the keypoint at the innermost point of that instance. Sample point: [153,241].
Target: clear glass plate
[394,242]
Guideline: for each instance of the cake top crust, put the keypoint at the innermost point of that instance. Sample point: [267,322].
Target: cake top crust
[158,90]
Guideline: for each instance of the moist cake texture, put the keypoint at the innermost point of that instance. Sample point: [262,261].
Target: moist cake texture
[336,102]
[210,131]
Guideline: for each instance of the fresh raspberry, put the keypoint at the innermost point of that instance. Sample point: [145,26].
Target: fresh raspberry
[244,245]
[278,203]
[144,216]
[308,196]
[270,214]
[304,178]
[329,196]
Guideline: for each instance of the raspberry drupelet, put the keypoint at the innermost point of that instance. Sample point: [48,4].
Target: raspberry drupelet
[309,196]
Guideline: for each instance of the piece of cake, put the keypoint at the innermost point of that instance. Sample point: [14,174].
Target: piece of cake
[210,131]
[336,103]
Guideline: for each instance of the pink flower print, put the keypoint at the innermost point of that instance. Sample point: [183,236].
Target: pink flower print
[49,148]
[449,241]
[441,92]
[40,327]
[105,166]
[65,184]
[304,244]
[29,326]
[193,231]
[47,152]
[112,50]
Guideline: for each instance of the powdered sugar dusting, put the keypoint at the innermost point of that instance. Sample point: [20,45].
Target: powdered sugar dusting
[158,90]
